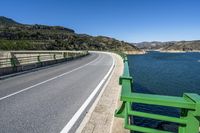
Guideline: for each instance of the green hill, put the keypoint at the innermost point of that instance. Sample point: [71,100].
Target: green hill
[7,21]
[16,36]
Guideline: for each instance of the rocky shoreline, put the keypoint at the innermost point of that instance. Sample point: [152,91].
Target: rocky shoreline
[177,51]
[131,52]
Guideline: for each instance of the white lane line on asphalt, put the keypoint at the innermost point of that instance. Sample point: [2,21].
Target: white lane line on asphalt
[30,87]
[102,56]
[73,120]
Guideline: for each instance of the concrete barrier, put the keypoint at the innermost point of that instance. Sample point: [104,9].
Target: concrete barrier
[24,67]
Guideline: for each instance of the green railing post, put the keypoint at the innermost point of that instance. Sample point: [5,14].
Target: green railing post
[192,125]
[192,117]
[121,111]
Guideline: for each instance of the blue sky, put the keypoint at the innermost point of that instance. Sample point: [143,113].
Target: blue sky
[128,20]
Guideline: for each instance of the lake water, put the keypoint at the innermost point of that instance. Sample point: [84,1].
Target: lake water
[165,74]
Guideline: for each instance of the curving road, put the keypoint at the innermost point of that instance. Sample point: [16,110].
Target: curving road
[45,101]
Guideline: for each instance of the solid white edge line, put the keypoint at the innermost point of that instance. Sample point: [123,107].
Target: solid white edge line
[89,113]
[76,116]
[12,94]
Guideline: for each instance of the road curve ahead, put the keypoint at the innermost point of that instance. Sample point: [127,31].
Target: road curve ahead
[46,100]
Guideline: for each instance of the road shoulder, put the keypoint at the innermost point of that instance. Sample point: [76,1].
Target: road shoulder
[100,117]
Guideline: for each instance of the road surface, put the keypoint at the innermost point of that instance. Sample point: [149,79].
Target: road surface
[44,101]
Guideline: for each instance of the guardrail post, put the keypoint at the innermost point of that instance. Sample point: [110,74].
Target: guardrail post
[191,116]
[128,81]
[121,111]
[64,55]
[192,125]
[38,58]
[13,62]
[125,78]
[54,56]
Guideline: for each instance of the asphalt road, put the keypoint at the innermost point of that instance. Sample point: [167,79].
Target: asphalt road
[44,101]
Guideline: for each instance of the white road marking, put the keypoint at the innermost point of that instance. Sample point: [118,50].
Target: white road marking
[98,60]
[12,94]
[73,120]
[89,113]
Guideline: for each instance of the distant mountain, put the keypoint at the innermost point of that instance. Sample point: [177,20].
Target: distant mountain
[182,46]
[150,45]
[10,25]
[170,46]
[16,36]
[7,21]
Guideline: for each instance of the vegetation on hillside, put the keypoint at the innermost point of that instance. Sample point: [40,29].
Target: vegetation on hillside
[183,46]
[16,36]
[170,46]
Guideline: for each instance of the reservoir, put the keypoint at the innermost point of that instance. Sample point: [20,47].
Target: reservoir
[164,74]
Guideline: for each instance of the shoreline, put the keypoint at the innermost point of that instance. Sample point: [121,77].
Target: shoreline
[174,51]
[179,51]
[135,52]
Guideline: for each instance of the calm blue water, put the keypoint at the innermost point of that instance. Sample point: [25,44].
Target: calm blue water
[165,74]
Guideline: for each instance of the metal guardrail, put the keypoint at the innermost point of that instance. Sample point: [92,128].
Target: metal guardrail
[42,56]
[189,104]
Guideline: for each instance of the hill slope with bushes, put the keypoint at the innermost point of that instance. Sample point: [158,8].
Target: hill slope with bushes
[17,36]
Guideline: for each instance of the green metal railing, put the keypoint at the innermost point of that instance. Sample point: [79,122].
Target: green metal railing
[189,105]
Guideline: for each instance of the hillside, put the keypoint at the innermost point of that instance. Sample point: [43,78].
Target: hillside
[182,46]
[170,46]
[150,45]
[7,21]
[16,36]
